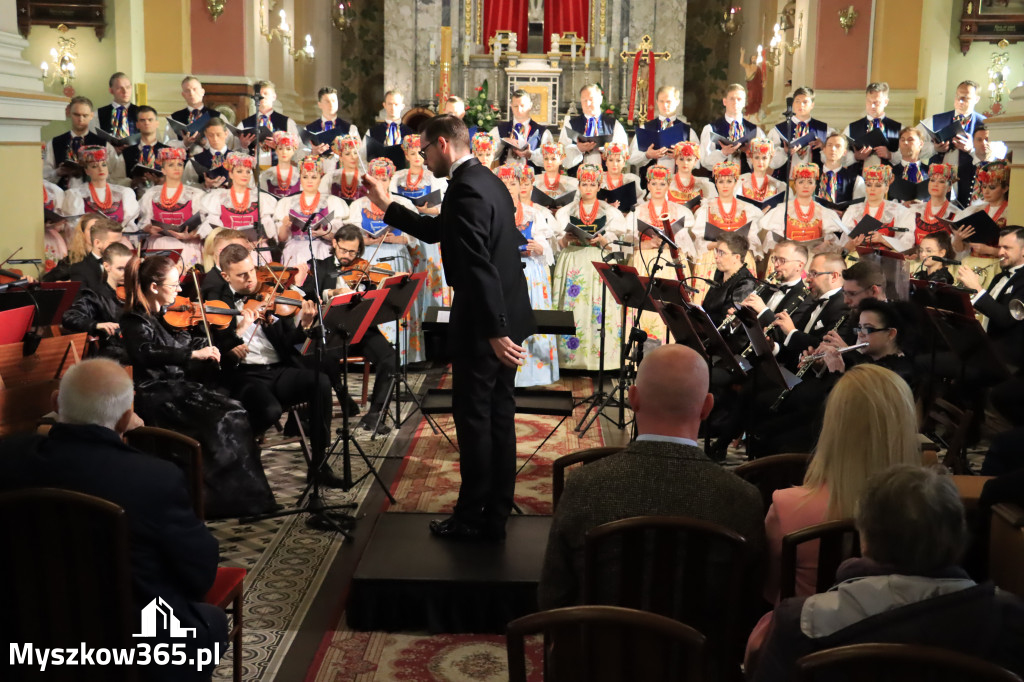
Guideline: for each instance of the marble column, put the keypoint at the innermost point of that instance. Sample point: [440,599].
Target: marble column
[24,110]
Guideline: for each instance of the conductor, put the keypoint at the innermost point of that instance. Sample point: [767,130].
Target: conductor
[490,317]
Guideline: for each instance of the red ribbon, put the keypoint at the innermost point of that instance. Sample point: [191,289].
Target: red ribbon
[651,112]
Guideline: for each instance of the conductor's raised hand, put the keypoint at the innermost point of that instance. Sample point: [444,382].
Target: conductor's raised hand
[379,191]
[508,353]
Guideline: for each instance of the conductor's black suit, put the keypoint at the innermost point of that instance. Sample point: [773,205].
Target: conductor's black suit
[479,250]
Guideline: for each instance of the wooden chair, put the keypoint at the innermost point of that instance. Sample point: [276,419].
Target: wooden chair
[686,569]
[605,644]
[177,448]
[774,472]
[559,466]
[1006,548]
[897,662]
[949,425]
[359,360]
[67,575]
[76,586]
[838,541]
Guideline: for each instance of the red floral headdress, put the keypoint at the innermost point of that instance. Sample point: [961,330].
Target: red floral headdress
[997,171]
[686,149]
[92,154]
[166,154]
[946,171]
[381,168]
[589,172]
[657,172]
[725,169]
[235,159]
[410,142]
[881,174]
[807,170]
[483,142]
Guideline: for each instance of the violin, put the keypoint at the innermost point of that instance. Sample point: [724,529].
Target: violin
[276,274]
[360,270]
[8,276]
[280,304]
[185,314]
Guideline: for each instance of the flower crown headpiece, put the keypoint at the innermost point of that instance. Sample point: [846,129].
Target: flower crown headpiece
[165,154]
[725,169]
[553,149]
[92,154]
[526,174]
[381,167]
[507,171]
[997,171]
[344,142]
[589,172]
[881,174]
[611,148]
[946,171]
[806,170]
[680,149]
[762,145]
[483,142]
[410,142]
[312,163]
[282,137]
[657,172]
[235,159]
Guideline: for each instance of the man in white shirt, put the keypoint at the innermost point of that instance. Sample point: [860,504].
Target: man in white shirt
[595,127]
[667,99]
[960,147]
[521,129]
[732,126]
[876,99]
[825,282]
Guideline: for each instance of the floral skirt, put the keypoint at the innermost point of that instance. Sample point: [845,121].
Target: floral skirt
[541,366]
[577,287]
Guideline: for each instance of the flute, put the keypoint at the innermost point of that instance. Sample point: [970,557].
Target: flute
[819,356]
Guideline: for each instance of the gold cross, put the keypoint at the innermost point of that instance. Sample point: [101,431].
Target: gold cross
[647,53]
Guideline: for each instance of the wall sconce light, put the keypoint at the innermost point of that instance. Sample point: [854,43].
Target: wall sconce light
[341,14]
[216,8]
[848,18]
[778,43]
[63,58]
[998,75]
[283,32]
[731,21]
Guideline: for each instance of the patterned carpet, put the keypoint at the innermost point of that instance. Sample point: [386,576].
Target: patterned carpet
[286,560]
[429,482]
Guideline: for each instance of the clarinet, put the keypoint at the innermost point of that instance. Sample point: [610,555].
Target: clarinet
[801,295]
[760,291]
[805,365]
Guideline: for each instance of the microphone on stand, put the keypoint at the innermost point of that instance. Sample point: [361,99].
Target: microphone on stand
[710,282]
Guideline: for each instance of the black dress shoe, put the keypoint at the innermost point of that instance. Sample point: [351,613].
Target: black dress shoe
[368,421]
[453,528]
[327,479]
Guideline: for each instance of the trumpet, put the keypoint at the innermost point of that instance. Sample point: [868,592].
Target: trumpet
[808,359]
[1016,309]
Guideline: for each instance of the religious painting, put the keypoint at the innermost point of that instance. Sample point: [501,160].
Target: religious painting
[539,94]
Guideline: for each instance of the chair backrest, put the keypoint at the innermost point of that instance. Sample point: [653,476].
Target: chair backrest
[559,466]
[949,425]
[837,541]
[606,643]
[902,662]
[774,472]
[1006,548]
[690,570]
[178,449]
[67,577]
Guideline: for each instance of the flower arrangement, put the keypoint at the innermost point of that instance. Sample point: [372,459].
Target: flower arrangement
[480,112]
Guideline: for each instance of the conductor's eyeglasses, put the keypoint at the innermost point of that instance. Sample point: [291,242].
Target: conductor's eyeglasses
[424,148]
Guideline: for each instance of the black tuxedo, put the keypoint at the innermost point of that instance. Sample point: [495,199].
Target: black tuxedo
[480,252]
[719,299]
[1006,333]
[214,286]
[88,271]
[834,309]
[133,154]
[267,390]
[94,306]
[105,118]
[173,556]
[795,302]
[373,345]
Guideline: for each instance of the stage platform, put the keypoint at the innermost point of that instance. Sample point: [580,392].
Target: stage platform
[408,580]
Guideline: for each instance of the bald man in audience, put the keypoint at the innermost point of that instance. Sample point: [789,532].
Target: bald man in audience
[173,555]
[664,472]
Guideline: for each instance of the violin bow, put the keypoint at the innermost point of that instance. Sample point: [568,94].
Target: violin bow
[202,307]
[13,254]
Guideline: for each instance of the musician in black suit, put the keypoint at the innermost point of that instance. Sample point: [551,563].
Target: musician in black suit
[263,369]
[490,317]
[791,296]
[97,310]
[89,271]
[830,311]
[734,280]
[349,246]
[118,117]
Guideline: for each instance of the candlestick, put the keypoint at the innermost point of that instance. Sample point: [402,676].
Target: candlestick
[433,53]
[586,55]
[497,52]
[574,50]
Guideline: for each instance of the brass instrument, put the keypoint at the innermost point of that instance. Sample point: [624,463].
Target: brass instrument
[804,366]
[1016,309]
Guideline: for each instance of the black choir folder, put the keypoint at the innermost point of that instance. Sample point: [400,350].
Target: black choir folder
[904,190]
[874,138]
[986,231]
[186,226]
[945,134]
[659,139]
[725,141]
[552,203]
[188,128]
[314,139]
[625,195]
[713,233]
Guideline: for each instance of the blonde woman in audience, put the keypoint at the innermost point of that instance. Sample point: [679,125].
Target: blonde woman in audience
[870,424]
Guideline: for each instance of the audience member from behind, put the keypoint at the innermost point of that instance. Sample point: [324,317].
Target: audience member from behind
[173,555]
[907,588]
[663,472]
[869,426]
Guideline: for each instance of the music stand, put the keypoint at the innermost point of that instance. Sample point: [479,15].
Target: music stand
[347,320]
[14,323]
[668,291]
[401,292]
[677,320]
[623,282]
[50,300]
[713,341]
[893,266]
[764,365]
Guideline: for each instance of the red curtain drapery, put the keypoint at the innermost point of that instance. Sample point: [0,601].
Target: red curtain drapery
[506,15]
[566,15]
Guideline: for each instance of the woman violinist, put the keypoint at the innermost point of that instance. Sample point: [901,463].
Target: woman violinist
[172,203]
[310,205]
[163,358]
